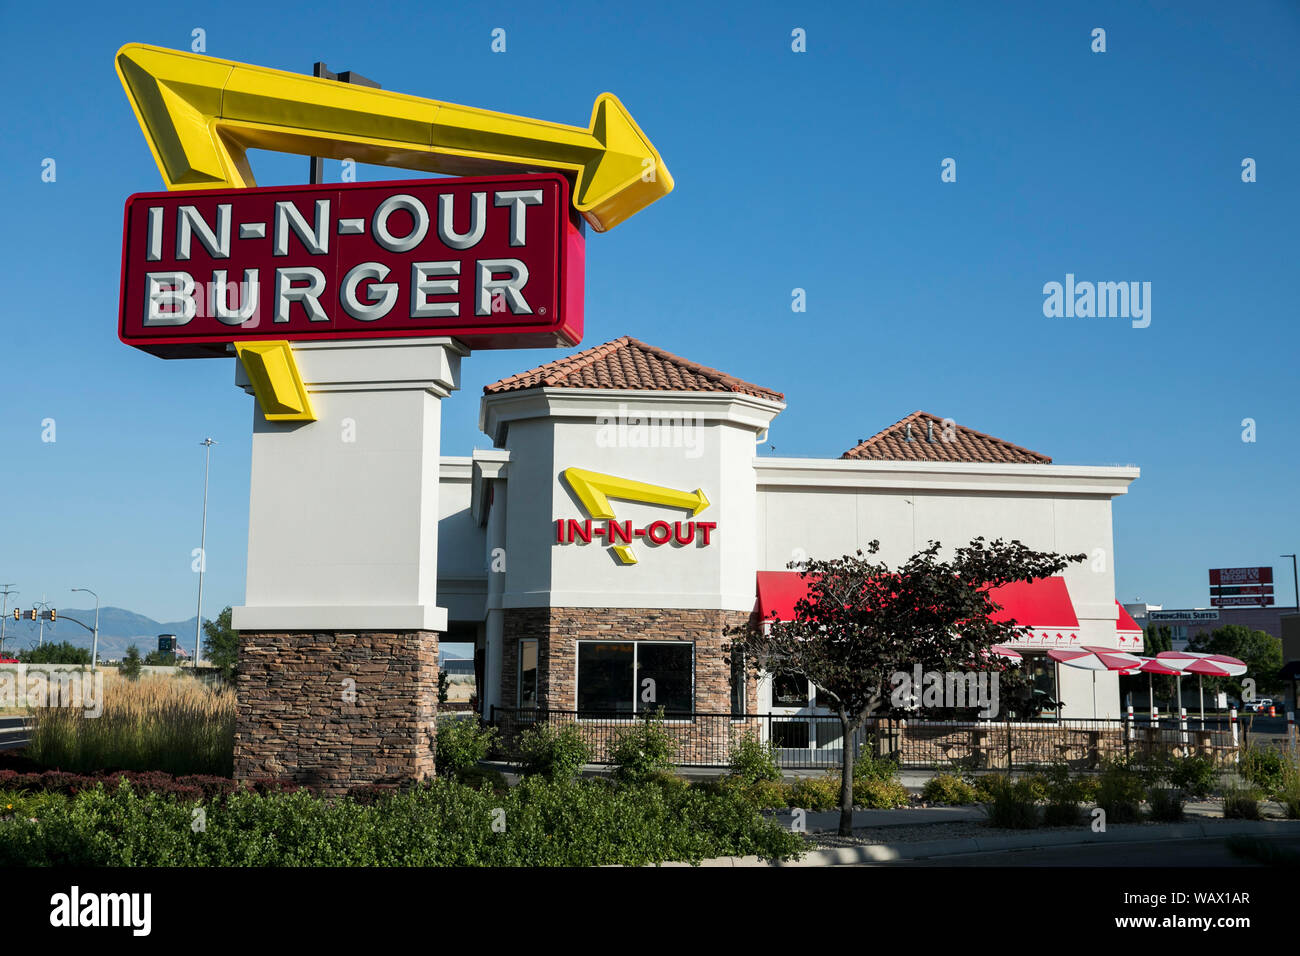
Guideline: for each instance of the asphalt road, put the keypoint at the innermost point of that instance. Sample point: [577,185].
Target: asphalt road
[9,741]
[1211,851]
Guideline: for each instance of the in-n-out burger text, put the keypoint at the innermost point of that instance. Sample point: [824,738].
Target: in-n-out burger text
[570,531]
[495,261]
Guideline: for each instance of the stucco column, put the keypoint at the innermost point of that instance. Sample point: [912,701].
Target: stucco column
[339,629]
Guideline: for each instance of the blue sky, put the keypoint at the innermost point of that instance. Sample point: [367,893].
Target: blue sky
[818,170]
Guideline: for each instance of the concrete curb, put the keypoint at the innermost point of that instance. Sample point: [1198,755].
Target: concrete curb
[886,852]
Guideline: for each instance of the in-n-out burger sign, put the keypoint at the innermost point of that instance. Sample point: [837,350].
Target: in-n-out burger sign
[594,490]
[494,261]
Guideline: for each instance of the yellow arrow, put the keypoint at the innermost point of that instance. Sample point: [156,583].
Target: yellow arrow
[276,382]
[595,489]
[200,116]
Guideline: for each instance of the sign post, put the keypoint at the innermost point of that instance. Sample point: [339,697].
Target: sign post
[1241,587]
[350,307]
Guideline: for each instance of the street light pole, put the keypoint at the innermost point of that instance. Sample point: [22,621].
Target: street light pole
[7,589]
[94,641]
[1295,580]
[203,550]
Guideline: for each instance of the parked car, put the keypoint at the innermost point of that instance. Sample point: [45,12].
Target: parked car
[1259,704]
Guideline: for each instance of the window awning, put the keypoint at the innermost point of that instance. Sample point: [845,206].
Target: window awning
[777,591]
[1043,605]
[1127,631]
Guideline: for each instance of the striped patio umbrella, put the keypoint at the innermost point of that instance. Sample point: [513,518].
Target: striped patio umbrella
[1002,650]
[1204,665]
[1092,658]
[1149,666]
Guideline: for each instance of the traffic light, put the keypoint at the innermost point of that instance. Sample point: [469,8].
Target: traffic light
[54,615]
[32,614]
[18,615]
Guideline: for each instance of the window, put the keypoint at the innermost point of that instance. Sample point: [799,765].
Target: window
[628,677]
[737,682]
[790,690]
[527,673]
[1039,696]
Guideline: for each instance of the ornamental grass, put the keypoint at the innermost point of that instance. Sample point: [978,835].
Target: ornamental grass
[173,724]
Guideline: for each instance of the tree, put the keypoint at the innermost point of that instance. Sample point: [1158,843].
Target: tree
[130,666]
[160,659]
[221,645]
[1260,651]
[51,653]
[1158,638]
[861,622]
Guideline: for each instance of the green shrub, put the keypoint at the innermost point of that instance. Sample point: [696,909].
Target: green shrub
[1289,796]
[752,760]
[641,752]
[874,794]
[814,793]
[1291,804]
[1240,803]
[1195,775]
[985,786]
[666,780]
[768,794]
[1166,804]
[481,777]
[554,753]
[1012,804]
[949,789]
[1120,792]
[1266,768]
[1036,784]
[867,766]
[462,743]
[440,823]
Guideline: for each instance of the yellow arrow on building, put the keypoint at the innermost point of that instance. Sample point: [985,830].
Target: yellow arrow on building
[595,489]
[200,116]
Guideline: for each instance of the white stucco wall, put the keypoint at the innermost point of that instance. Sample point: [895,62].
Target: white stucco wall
[769,511]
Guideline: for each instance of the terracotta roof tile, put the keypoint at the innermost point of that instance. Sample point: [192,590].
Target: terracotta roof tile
[631,364]
[928,444]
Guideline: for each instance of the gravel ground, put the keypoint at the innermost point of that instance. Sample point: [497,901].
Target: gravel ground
[921,832]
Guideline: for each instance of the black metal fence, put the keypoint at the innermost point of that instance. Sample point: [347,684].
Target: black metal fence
[816,741]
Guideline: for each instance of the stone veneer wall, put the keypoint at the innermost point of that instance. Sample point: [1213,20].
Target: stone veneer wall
[297,719]
[559,629]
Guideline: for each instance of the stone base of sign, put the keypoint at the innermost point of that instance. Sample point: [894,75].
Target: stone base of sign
[559,629]
[336,710]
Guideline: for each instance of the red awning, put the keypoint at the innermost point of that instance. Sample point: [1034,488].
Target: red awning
[777,591]
[1043,605]
[1127,631]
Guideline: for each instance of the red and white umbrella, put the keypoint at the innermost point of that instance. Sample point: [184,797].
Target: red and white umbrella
[1204,665]
[1149,666]
[1002,650]
[1092,658]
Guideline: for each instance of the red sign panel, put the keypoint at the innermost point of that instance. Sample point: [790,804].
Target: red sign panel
[494,261]
[1241,576]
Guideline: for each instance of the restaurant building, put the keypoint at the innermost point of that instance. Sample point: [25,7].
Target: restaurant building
[624,518]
